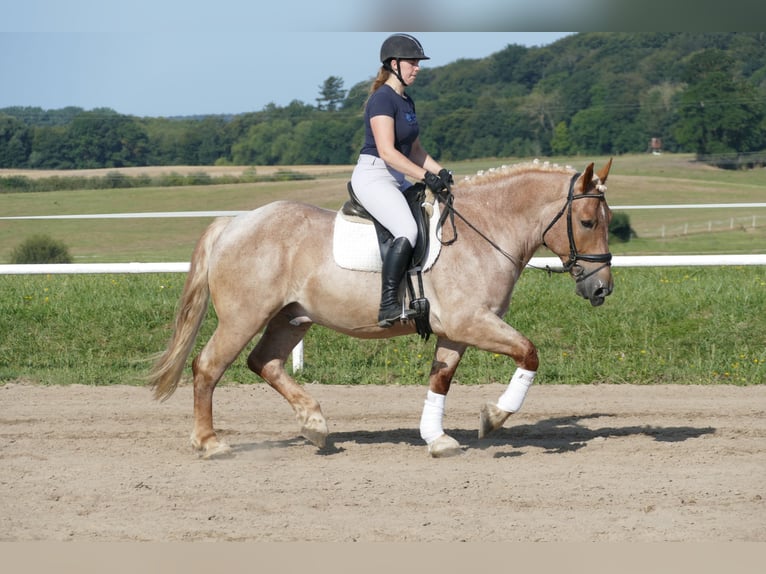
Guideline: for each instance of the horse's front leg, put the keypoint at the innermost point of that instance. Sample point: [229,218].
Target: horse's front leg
[510,342]
[489,332]
[446,359]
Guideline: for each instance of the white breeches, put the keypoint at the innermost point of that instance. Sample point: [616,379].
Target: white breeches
[379,189]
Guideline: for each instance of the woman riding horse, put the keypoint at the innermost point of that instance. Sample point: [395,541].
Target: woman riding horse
[272,271]
[391,152]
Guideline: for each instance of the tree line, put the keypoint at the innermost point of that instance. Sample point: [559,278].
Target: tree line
[590,93]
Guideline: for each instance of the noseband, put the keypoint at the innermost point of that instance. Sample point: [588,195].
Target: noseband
[574,256]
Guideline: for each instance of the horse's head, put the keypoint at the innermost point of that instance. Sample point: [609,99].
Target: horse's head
[579,235]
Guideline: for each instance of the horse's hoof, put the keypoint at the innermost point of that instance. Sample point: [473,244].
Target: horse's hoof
[444,446]
[211,448]
[217,450]
[315,431]
[491,418]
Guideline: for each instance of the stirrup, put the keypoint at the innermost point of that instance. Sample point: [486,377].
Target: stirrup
[403,316]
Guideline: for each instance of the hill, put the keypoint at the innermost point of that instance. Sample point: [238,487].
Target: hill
[586,94]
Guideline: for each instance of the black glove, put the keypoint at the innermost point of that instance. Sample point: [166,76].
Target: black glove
[434,182]
[447,180]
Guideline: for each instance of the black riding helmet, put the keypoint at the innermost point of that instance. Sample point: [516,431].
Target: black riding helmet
[400,47]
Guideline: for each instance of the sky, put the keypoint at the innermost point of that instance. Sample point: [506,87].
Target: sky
[193,57]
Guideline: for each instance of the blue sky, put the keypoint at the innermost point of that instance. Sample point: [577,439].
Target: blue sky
[166,58]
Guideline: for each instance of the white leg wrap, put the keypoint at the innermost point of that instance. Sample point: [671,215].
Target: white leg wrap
[513,397]
[431,419]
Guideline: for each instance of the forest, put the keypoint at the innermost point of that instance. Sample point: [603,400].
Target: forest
[594,93]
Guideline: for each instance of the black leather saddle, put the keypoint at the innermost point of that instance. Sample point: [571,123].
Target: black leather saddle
[415,196]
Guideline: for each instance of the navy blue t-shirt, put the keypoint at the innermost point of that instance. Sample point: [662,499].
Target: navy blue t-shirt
[386,102]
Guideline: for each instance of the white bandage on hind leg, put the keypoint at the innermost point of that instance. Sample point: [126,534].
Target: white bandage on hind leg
[431,419]
[513,397]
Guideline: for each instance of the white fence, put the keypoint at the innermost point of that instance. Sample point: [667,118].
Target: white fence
[183,267]
[297,355]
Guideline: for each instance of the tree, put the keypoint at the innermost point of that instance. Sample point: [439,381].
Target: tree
[719,113]
[560,143]
[331,94]
[15,142]
[262,144]
[104,138]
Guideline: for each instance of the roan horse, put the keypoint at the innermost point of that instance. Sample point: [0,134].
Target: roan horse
[273,269]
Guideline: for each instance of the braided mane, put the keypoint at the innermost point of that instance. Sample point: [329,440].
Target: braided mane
[485,176]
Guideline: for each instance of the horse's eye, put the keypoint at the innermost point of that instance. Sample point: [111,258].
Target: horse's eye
[588,223]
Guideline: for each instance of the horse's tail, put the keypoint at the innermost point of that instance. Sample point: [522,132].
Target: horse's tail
[192,307]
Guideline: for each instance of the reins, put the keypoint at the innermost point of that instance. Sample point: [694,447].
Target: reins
[449,203]
[571,263]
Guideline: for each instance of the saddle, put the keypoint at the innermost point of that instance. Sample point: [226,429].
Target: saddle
[422,209]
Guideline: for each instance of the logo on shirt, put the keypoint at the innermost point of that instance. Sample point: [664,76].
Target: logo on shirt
[410,118]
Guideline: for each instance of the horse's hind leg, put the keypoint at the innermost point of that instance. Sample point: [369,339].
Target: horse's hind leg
[208,368]
[268,358]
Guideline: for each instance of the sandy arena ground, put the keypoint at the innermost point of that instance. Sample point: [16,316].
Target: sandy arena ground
[578,463]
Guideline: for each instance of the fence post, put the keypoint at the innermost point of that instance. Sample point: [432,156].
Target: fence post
[298,356]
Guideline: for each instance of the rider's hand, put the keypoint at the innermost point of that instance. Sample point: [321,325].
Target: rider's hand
[447,180]
[434,182]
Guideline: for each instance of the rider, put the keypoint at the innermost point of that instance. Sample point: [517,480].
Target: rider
[391,152]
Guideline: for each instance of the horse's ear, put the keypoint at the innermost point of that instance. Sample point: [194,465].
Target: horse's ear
[585,179]
[605,171]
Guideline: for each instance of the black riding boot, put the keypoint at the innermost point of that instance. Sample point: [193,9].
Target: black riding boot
[394,266]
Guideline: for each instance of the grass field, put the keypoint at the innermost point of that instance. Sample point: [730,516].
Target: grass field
[679,325]
[671,325]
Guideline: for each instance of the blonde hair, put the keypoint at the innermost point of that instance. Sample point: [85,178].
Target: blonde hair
[382,77]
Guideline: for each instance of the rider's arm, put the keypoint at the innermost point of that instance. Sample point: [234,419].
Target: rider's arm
[415,166]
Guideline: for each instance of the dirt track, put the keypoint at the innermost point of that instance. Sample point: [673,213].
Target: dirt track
[579,463]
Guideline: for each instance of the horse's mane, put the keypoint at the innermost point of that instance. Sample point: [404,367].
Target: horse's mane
[486,176]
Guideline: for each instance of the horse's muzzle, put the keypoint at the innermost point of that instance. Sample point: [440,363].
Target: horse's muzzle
[596,285]
[595,291]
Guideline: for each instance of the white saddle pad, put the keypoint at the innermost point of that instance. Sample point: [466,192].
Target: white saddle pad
[355,243]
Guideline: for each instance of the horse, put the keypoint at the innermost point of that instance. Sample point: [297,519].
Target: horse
[272,271]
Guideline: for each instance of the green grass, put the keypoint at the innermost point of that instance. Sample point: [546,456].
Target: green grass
[671,325]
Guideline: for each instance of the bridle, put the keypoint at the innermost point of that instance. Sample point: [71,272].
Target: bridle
[571,266]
